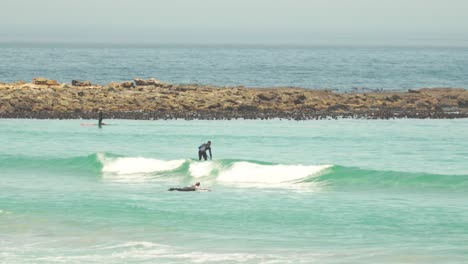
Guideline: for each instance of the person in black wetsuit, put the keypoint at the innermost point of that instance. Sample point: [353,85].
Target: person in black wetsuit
[100,118]
[192,188]
[202,150]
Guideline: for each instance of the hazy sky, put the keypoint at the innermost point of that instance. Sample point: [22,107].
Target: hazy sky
[305,22]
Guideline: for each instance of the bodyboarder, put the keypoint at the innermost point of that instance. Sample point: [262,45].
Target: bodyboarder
[195,187]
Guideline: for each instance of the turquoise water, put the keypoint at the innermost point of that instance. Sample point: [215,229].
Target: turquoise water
[328,191]
[340,68]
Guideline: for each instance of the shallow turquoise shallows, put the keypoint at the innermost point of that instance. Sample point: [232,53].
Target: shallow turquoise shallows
[329,191]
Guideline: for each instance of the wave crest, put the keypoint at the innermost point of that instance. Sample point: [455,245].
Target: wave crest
[231,172]
[137,165]
[248,172]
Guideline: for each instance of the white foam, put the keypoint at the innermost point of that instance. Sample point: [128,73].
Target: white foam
[203,169]
[247,172]
[138,165]
[136,244]
[157,253]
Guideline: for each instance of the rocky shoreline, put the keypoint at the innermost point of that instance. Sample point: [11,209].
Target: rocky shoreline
[152,99]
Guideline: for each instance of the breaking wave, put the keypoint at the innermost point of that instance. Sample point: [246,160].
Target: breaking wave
[233,172]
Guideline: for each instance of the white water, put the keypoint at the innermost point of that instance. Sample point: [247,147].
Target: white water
[138,165]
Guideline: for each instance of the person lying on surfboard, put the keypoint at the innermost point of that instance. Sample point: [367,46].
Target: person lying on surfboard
[195,187]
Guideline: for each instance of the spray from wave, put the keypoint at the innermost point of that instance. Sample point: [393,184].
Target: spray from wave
[248,172]
[222,171]
[137,165]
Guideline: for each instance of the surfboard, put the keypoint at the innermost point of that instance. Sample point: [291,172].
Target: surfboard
[85,124]
[188,189]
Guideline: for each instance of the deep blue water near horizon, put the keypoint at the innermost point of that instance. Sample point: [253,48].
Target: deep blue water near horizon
[317,191]
[316,67]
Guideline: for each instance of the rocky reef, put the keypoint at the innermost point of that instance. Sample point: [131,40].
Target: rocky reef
[153,99]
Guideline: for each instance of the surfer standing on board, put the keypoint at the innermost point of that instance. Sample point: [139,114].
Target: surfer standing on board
[100,118]
[202,150]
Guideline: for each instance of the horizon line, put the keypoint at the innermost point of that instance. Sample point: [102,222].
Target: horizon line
[226,44]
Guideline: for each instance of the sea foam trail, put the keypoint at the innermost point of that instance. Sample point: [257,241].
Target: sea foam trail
[145,251]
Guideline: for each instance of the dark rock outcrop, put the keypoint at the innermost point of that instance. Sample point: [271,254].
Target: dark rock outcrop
[153,99]
[81,83]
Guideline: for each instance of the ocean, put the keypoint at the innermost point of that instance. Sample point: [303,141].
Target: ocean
[321,191]
[318,191]
[343,69]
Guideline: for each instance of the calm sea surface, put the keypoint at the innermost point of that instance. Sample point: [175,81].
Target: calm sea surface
[340,68]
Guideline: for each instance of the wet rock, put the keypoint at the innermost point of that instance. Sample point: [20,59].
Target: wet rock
[151,81]
[266,97]
[52,83]
[6,107]
[338,107]
[128,84]
[247,108]
[213,106]
[40,81]
[81,83]
[20,105]
[300,99]
[393,98]
[184,89]
[194,101]
[463,103]
[44,81]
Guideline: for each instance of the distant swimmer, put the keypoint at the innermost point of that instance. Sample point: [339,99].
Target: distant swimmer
[100,118]
[195,187]
[202,150]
